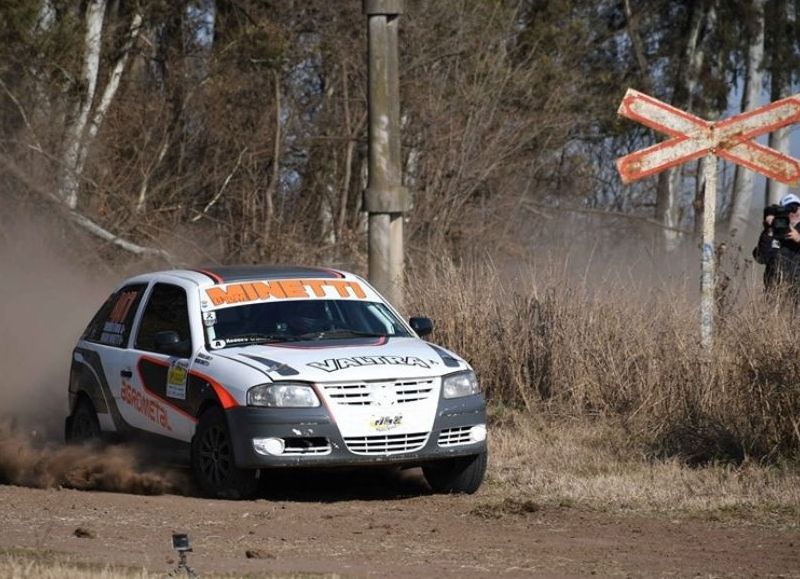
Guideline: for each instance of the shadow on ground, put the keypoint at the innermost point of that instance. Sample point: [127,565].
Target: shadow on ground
[333,485]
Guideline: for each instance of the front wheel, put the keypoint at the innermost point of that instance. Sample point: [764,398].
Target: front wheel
[213,466]
[463,474]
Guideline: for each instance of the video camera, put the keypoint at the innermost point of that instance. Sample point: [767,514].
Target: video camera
[780,220]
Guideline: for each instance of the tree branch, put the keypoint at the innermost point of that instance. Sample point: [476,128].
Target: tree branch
[81,220]
[216,197]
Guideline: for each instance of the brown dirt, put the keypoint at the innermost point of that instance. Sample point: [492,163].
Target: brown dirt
[378,524]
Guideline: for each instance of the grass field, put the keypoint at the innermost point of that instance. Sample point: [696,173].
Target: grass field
[37,564]
[541,462]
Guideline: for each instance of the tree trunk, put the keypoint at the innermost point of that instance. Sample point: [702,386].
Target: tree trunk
[69,177]
[110,91]
[743,179]
[269,193]
[780,87]
[670,186]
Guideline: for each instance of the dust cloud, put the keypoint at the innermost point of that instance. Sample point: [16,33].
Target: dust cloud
[48,294]
[607,255]
[25,462]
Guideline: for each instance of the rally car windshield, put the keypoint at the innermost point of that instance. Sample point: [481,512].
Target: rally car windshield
[301,320]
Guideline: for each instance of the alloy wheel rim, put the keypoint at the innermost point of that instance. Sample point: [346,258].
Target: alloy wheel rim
[215,455]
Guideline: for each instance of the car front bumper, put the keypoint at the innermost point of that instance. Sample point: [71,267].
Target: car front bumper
[312,426]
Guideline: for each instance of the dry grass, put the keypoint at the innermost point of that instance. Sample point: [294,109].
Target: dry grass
[553,347]
[38,564]
[541,461]
[602,397]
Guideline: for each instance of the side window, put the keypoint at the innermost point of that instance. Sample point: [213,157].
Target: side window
[111,325]
[166,311]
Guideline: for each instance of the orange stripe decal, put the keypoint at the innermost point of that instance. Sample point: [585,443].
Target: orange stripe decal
[225,398]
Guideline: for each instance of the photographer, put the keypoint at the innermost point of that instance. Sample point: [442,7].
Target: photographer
[779,244]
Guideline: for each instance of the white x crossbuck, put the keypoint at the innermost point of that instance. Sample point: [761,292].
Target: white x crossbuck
[693,137]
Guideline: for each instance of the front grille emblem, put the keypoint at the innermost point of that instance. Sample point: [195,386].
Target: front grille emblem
[383,394]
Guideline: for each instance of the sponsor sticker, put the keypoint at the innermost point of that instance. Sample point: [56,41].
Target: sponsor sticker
[334,364]
[176,379]
[148,408]
[203,359]
[112,334]
[114,327]
[284,289]
[385,423]
[209,318]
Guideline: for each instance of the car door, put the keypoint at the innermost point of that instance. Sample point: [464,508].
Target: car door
[154,382]
[101,353]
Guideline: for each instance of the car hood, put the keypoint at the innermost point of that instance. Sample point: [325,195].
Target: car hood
[350,359]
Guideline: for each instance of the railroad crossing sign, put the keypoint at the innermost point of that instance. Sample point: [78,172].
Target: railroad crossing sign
[692,138]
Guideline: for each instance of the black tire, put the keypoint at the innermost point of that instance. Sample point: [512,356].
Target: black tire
[463,474]
[82,425]
[212,460]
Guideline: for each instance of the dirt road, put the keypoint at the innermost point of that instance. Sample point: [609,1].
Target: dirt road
[373,525]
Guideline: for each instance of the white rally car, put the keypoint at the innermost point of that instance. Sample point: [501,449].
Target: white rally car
[245,369]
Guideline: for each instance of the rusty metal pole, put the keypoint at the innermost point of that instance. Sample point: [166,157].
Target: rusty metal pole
[385,199]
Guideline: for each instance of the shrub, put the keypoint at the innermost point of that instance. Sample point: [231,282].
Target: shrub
[632,356]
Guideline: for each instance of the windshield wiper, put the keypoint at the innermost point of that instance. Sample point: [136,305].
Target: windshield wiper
[256,339]
[341,333]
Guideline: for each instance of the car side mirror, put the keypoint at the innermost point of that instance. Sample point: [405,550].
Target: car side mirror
[169,342]
[422,326]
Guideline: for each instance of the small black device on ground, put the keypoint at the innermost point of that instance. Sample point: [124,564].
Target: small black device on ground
[180,542]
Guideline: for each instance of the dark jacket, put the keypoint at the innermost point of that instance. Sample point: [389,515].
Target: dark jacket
[781,258]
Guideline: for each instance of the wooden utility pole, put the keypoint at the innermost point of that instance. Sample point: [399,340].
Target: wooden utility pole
[385,199]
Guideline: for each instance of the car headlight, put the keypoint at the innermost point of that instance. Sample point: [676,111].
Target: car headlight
[460,384]
[282,395]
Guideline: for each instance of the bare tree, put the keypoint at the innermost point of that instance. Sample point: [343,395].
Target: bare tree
[88,114]
[783,45]
[743,181]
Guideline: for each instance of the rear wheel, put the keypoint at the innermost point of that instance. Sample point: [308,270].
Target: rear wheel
[82,425]
[212,460]
[463,474]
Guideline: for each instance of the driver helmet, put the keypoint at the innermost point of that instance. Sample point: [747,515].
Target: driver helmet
[308,317]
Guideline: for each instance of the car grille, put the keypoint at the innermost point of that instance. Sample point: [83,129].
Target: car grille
[304,446]
[380,393]
[454,436]
[386,443]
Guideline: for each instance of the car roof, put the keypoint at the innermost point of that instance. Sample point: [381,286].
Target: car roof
[224,274]
[234,273]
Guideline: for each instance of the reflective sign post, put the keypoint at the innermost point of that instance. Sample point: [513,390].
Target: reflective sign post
[693,138]
[708,273]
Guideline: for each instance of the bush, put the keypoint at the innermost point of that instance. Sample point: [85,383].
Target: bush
[631,356]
